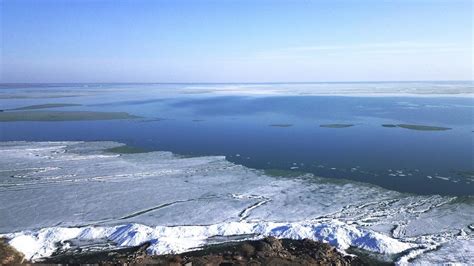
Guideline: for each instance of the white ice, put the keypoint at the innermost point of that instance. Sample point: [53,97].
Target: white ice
[56,192]
[42,243]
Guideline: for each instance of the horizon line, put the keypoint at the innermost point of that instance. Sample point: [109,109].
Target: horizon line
[237,82]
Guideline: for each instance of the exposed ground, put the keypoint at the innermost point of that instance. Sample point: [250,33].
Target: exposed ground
[336,125]
[9,255]
[281,125]
[418,127]
[61,116]
[268,251]
[45,106]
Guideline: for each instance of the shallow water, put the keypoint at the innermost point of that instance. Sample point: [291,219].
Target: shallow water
[238,121]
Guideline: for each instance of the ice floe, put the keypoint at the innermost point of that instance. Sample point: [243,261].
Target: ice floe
[55,194]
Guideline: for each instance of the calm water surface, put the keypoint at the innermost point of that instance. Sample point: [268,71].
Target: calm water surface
[238,126]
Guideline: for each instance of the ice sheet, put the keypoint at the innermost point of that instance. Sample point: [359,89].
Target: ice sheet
[55,192]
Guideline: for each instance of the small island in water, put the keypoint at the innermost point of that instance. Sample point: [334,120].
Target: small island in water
[336,125]
[281,125]
[418,127]
[62,116]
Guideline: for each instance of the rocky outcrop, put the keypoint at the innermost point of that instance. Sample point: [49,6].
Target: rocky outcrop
[9,255]
[268,251]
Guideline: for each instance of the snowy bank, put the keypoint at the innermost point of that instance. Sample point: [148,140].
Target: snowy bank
[177,239]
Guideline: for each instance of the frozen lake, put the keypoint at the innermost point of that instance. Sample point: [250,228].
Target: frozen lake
[381,167]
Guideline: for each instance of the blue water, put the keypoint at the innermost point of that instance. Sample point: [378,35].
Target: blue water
[421,162]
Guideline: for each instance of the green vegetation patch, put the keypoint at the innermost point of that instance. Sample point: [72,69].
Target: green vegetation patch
[281,125]
[336,125]
[62,116]
[45,106]
[125,149]
[422,127]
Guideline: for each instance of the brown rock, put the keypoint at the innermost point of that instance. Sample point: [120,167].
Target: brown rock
[9,255]
[267,251]
[247,250]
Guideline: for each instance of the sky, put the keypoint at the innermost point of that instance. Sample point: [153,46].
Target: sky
[235,41]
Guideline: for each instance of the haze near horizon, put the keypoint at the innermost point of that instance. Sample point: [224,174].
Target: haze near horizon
[235,41]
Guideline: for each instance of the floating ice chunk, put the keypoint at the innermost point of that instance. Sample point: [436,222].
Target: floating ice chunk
[442,178]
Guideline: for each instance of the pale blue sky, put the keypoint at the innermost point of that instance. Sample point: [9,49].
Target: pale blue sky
[235,41]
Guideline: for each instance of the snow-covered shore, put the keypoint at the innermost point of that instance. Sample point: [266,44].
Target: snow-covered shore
[178,239]
[65,194]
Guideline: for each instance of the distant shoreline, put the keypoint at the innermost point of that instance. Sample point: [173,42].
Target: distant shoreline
[232,82]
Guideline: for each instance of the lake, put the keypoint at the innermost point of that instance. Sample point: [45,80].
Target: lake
[335,130]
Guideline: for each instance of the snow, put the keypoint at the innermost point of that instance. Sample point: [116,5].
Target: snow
[459,252]
[54,192]
[176,239]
